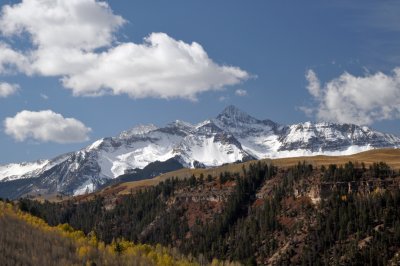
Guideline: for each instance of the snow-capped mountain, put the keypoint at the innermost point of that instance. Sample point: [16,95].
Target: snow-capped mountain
[232,136]
[267,139]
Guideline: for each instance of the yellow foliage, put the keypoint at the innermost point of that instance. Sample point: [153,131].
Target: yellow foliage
[165,260]
[215,262]
[83,251]
[86,246]
[92,238]
[66,228]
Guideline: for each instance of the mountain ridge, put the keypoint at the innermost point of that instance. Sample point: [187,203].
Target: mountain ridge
[231,136]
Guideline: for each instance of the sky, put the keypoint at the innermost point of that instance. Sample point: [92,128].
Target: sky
[73,71]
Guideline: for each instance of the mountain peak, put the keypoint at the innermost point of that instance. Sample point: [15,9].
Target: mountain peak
[180,124]
[232,113]
[137,130]
[232,110]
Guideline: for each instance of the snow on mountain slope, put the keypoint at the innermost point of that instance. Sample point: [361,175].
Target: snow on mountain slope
[139,130]
[15,170]
[267,139]
[115,156]
[232,136]
[330,138]
[259,138]
[210,146]
[210,151]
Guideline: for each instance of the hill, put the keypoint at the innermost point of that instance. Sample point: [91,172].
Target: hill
[261,215]
[28,240]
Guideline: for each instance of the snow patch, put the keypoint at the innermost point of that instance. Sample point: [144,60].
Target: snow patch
[95,145]
[300,152]
[210,152]
[85,188]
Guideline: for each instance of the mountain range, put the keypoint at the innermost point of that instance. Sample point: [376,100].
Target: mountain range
[147,150]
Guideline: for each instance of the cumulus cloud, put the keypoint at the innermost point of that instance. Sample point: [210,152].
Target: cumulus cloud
[359,100]
[314,86]
[45,126]
[11,60]
[7,89]
[241,92]
[76,40]
[84,24]
[160,67]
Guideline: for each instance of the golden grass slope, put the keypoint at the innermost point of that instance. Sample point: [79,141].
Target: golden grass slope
[389,156]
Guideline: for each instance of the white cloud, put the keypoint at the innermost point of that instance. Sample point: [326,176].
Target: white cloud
[241,92]
[306,110]
[314,85]
[359,100]
[45,126]
[83,24]
[65,36]
[7,89]
[160,67]
[11,60]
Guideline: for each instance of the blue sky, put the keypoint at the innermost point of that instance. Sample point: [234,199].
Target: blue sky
[288,61]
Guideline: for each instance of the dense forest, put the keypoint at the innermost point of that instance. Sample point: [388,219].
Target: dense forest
[333,215]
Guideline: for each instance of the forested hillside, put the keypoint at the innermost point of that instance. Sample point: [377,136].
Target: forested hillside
[28,240]
[334,215]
